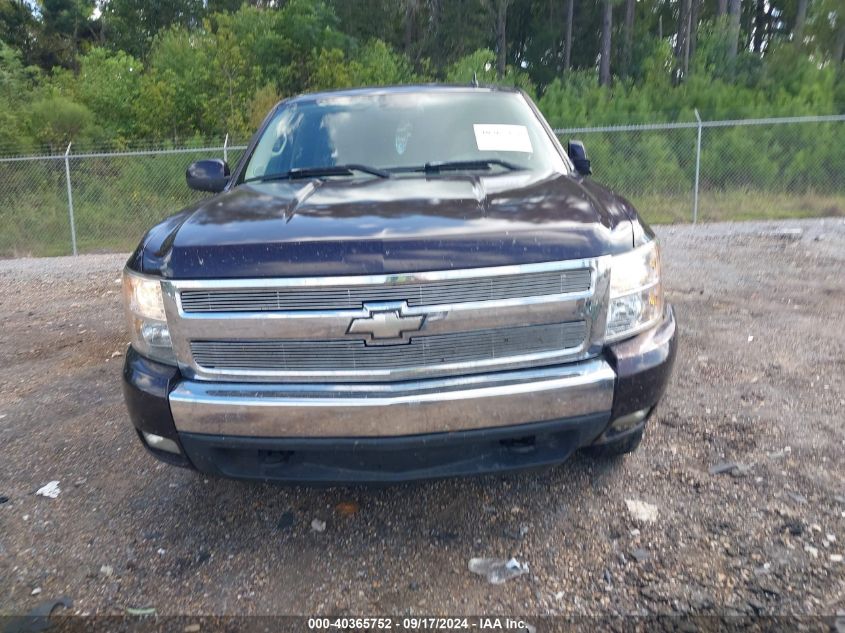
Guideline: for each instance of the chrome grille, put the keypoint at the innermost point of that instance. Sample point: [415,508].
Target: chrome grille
[479,320]
[429,293]
[422,351]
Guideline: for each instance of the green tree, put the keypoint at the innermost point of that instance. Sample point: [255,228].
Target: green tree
[303,28]
[365,20]
[109,84]
[131,25]
[279,45]
[262,101]
[377,64]
[455,29]
[16,85]
[826,29]
[330,70]
[481,65]
[174,90]
[56,121]
[19,28]
[374,64]
[65,25]
[184,69]
[233,80]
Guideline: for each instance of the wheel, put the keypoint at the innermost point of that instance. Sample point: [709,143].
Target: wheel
[627,444]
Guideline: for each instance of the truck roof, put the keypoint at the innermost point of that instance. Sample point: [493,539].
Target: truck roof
[399,89]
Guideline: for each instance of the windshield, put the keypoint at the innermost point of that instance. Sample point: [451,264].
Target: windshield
[405,130]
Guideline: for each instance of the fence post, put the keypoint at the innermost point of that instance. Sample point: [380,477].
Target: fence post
[226,148]
[70,199]
[697,170]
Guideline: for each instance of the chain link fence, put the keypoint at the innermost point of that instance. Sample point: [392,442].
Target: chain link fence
[677,172]
[93,202]
[723,170]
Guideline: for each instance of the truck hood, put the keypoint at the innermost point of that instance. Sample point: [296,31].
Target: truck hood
[402,224]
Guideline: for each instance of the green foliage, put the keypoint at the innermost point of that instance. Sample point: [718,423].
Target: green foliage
[791,84]
[458,29]
[375,64]
[64,25]
[109,84]
[263,100]
[16,83]
[232,80]
[17,24]
[174,91]
[481,65]
[131,25]
[656,167]
[56,121]
[295,36]
[330,70]
[188,72]
[366,20]
[825,24]
[176,70]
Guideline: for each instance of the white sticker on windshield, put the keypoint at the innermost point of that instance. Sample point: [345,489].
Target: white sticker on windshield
[502,138]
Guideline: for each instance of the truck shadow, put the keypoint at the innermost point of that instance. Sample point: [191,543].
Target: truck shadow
[491,515]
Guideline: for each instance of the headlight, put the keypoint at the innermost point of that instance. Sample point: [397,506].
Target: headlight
[144,306]
[636,295]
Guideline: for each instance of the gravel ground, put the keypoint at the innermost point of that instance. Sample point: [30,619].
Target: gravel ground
[759,381]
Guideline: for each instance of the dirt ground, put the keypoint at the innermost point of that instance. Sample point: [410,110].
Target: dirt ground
[759,381]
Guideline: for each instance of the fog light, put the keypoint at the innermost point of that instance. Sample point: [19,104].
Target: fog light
[161,443]
[628,422]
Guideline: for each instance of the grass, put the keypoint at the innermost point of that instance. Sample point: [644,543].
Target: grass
[738,205]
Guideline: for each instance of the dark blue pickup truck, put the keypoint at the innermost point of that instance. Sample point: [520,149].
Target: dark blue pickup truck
[392,284]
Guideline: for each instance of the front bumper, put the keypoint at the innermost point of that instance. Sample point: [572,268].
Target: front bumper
[400,431]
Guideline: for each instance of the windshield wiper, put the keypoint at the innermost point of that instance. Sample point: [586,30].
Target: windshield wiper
[317,172]
[481,164]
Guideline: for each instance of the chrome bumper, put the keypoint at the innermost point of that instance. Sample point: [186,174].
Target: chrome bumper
[397,409]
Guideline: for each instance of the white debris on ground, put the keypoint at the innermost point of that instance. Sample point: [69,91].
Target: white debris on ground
[642,511]
[497,570]
[50,490]
[789,233]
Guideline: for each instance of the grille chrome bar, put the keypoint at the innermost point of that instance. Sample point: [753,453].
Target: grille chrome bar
[352,297]
[422,351]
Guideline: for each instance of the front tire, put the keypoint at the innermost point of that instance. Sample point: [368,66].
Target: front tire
[616,448]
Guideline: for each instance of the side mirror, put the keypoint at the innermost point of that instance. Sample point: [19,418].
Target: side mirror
[578,155]
[208,175]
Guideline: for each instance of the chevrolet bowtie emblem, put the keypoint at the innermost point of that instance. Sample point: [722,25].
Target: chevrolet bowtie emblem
[386,324]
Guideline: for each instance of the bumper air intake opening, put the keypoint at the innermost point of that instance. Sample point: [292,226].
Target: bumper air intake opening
[274,458]
[520,445]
